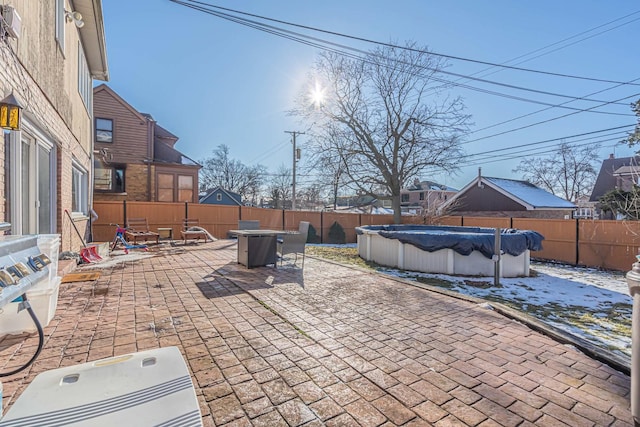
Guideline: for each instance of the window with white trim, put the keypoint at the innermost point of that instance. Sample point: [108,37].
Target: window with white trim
[79,190]
[85,82]
[103,130]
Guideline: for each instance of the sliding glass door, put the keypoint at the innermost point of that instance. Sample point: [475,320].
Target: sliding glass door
[33,183]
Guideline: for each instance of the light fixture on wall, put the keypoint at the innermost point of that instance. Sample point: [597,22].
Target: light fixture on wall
[74,17]
[10,113]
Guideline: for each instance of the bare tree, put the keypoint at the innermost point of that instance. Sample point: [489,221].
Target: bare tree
[569,172]
[220,170]
[280,187]
[382,116]
[624,204]
[310,197]
[435,210]
[634,136]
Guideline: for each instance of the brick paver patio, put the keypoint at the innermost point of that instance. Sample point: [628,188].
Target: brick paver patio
[329,345]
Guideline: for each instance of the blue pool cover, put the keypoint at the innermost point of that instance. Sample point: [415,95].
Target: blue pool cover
[463,240]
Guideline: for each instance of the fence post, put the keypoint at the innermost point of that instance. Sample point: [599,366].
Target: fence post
[497,244]
[124,212]
[186,210]
[577,241]
[461,220]
[239,212]
[510,222]
[283,219]
[321,226]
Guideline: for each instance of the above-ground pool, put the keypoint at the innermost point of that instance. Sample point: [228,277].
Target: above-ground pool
[466,251]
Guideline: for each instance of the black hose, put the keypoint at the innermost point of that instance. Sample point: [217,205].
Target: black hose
[40,340]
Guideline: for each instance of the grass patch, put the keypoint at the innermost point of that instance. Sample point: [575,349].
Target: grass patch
[481,284]
[433,281]
[342,255]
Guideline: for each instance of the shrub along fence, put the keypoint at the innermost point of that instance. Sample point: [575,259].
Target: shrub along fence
[593,243]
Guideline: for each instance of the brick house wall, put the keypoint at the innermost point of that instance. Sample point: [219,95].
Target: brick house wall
[43,74]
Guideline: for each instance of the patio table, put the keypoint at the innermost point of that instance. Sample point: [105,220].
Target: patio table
[257,248]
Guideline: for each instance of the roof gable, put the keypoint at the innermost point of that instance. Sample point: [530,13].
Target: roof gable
[525,194]
[114,95]
[233,196]
[529,194]
[606,180]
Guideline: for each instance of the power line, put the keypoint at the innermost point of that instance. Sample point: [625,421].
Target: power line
[270,152]
[293,36]
[537,111]
[297,37]
[546,121]
[563,138]
[334,33]
[566,39]
[555,150]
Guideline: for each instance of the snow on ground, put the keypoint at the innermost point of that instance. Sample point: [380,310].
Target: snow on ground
[594,305]
[588,303]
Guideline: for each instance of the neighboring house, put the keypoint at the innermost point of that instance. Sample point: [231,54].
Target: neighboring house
[136,159]
[49,61]
[362,203]
[585,209]
[220,196]
[424,196]
[615,173]
[485,196]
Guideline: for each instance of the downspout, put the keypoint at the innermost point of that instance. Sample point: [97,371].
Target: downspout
[90,178]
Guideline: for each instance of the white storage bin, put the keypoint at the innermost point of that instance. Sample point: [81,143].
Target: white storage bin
[49,244]
[43,301]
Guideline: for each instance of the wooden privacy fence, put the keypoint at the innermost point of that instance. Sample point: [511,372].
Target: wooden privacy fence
[593,243]
[218,219]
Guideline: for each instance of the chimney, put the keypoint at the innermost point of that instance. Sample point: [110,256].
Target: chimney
[612,156]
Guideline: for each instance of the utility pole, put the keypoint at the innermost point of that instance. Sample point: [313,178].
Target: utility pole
[296,156]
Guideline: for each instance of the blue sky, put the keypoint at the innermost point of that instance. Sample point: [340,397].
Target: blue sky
[210,81]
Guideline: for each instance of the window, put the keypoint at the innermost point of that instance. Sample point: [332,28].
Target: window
[79,190]
[185,188]
[422,196]
[219,197]
[175,188]
[60,24]
[165,187]
[104,130]
[108,179]
[85,83]
[404,198]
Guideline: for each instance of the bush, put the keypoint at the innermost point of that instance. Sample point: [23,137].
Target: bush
[336,234]
[312,236]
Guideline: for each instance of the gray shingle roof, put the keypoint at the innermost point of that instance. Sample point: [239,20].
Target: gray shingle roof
[530,194]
